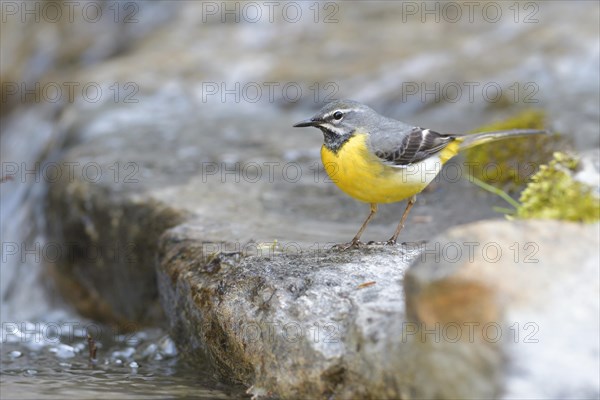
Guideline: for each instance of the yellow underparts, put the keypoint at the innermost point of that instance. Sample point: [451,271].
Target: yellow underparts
[364,177]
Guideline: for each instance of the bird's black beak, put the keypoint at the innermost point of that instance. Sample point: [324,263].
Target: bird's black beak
[307,122]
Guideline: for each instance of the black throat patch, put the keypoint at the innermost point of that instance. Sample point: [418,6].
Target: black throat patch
[333,141]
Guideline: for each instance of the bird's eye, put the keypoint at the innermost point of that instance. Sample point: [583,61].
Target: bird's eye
[338,115]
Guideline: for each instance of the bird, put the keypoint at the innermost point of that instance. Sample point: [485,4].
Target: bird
[378,160]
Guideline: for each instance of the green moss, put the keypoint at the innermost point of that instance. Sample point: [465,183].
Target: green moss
[554,194]
[509,164]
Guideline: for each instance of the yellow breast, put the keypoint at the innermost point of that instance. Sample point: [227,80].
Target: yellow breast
[363,176]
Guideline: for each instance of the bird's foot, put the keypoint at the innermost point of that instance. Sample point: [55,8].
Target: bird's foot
[391,242]
[353,244]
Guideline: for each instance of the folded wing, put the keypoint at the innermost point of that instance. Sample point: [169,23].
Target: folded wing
[408,147]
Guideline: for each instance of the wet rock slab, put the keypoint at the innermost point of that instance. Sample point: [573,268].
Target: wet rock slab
[304,325]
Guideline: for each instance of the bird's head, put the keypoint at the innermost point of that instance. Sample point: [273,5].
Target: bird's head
[339,121]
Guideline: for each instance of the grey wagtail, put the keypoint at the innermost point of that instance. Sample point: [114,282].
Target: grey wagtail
[376,159]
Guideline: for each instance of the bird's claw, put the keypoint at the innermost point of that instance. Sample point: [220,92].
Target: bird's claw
[354,244]
[391,242]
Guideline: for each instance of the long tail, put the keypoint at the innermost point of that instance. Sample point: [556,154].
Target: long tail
[468,141]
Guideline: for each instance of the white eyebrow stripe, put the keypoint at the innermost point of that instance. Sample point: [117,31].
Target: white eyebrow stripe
[344,111]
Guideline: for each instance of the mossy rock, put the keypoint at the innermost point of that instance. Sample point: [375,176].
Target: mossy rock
[509,164]
[554,194]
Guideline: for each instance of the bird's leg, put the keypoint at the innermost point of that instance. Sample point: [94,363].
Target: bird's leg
[355,242]
[409,205]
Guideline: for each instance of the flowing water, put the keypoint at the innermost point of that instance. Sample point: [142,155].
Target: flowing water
[40,363]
